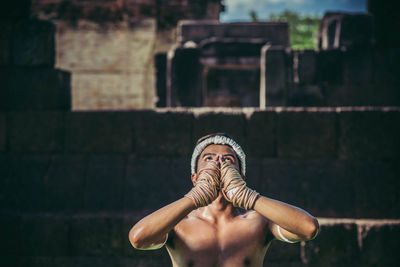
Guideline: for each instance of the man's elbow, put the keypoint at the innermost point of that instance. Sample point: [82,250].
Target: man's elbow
[135,238]
[312,229]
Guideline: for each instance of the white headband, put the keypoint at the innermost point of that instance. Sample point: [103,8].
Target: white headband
[219,140]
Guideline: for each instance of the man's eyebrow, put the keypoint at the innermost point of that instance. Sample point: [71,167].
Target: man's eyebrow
[230,155]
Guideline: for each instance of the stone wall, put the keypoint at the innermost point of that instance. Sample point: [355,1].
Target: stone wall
[73,183]
[111,66]
[29,80]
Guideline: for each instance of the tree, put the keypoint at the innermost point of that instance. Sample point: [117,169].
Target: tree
[253,15]
[303,28]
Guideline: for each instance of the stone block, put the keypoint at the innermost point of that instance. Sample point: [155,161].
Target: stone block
[95,236]
[175,129]
[369,134]
[35,131]
[109,91]
[379,243]
[232,124]
[385,17]
[275,76]
[283,253]
[5,43]
[358,66]
[36,89]
[64,184]
[260,138]
[336,245]
[98,48]
[105,179]
[184,78]
[22,182]
[3,132]
[254,172]
[33,43]
[310,184]
[321,183]
[387,66]
[44,236]
[102,132]
[377,187]
[306,66]
[11,231]
[154,182]
[329,67]
[282,180]
[306,134]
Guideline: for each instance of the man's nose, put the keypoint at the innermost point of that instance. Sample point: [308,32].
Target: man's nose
[217,159]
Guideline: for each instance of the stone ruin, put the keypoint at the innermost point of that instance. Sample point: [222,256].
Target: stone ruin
[72,183]
[216,64]
[251,64]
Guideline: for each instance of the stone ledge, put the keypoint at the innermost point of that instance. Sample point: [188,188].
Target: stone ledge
[93,237]
[35,89]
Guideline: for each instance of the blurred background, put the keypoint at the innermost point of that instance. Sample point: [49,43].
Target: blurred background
[101,103]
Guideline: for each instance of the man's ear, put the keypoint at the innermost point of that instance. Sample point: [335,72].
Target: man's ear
[193,177]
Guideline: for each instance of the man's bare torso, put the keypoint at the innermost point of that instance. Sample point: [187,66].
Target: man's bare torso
[239,240]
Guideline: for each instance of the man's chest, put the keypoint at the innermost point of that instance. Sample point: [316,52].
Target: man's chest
[198,240]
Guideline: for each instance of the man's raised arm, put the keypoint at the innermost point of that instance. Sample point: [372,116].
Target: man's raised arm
[152,231]
[289,223]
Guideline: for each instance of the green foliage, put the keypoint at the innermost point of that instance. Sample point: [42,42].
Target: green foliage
[253,15]
[303,28]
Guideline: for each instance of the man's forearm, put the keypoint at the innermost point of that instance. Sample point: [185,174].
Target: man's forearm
[149,231]
[291,218]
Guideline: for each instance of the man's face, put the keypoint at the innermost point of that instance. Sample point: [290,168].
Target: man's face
[218,153]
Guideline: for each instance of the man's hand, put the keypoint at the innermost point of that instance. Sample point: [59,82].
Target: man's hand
[206,186]
[234,188]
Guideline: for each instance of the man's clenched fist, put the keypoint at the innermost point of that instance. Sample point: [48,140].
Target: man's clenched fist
[234,188]
[206,185]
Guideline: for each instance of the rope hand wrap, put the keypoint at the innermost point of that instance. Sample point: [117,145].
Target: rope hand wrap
[206,188]
[234,188]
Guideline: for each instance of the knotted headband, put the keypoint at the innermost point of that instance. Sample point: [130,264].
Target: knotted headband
[219,140]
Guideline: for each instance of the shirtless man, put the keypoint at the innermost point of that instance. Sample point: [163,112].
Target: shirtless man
[221,222]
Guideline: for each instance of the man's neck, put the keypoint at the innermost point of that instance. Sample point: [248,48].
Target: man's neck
[218,210]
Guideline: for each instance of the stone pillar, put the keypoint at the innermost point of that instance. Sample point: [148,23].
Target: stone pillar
[306,66]
[184,80]
[160,63]
[275,75]
[330,67]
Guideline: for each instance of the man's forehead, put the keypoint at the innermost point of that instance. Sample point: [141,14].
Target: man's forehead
[221,149]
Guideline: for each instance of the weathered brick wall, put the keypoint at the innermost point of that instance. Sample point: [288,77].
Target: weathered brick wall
[73,183]
[29,80]
[111,65]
